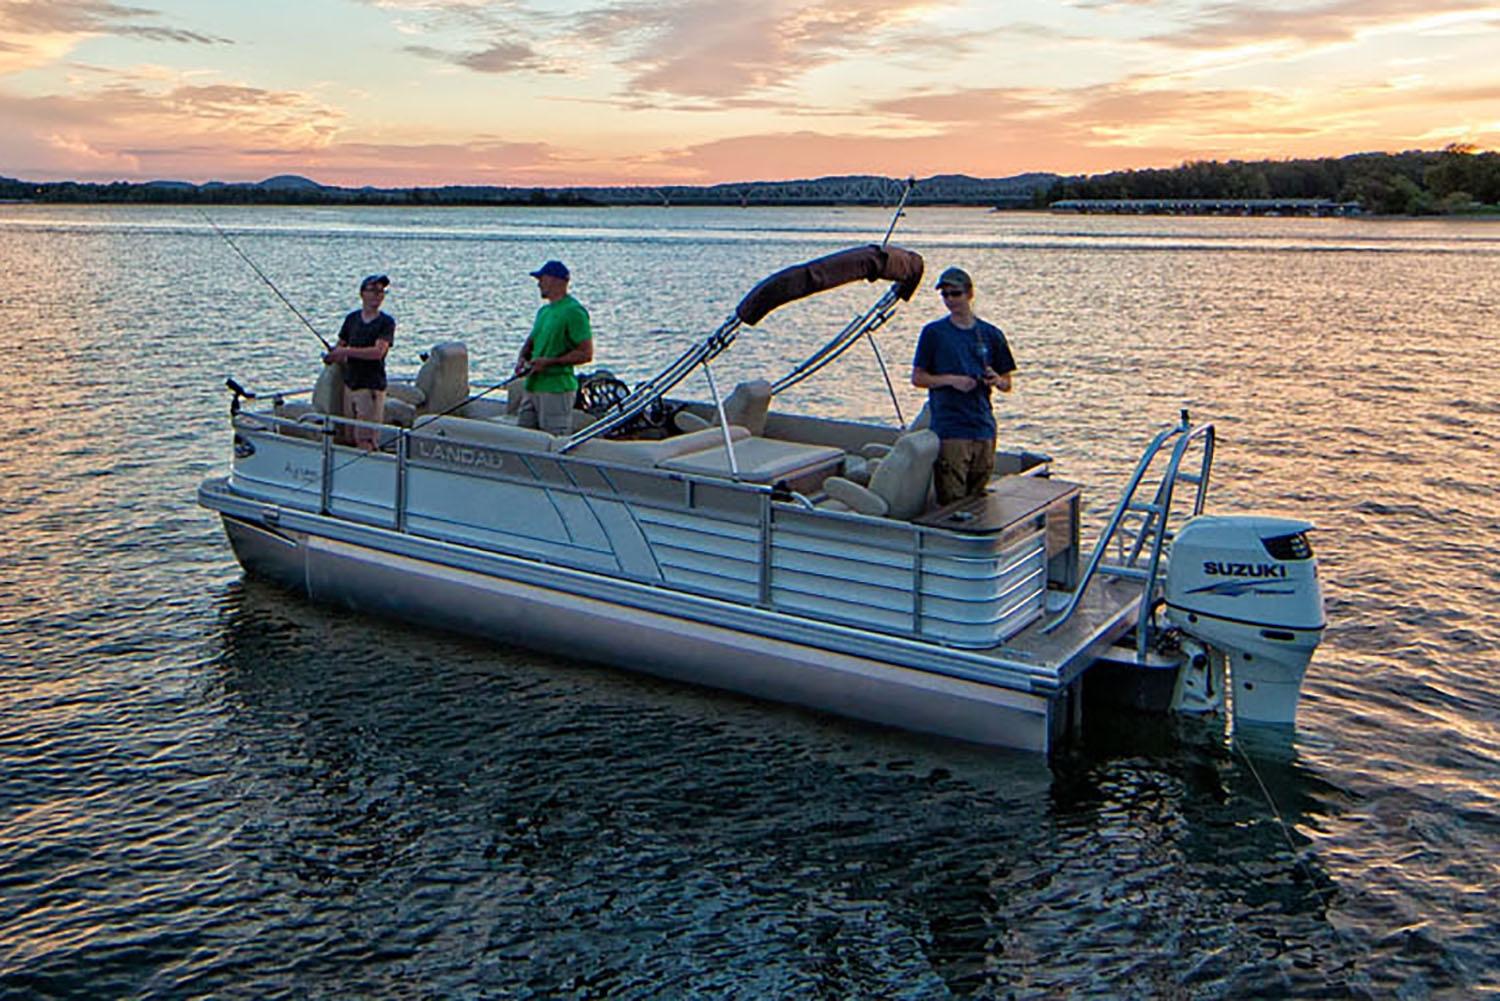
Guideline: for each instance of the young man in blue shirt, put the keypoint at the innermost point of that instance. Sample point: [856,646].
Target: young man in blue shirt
[959,359]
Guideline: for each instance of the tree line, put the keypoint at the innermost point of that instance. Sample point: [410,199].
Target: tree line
[1455,179]
[1417,182]
[124,192]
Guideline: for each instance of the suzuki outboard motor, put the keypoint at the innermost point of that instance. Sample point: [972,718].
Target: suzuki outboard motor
[1247,585]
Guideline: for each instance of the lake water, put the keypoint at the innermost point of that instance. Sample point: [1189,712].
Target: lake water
[209,788]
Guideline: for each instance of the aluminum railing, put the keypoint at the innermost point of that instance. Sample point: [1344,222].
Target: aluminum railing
[1154,533]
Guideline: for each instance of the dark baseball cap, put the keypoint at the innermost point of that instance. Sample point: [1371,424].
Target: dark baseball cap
[369,280]
[957,277]
[552,269]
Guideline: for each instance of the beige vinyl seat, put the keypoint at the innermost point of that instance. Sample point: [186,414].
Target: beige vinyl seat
[747,405]
[862,466]
[900,485]
[653,453]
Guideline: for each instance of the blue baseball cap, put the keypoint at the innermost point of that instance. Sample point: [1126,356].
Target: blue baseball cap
[374,280]
[552,269]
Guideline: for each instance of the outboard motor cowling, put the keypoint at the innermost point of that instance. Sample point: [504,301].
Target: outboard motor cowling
[1248,586]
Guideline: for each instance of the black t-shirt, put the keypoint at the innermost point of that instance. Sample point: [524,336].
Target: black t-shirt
[360,373]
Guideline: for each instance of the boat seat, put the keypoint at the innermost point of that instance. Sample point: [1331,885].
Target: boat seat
[443,379]
[656,452]
[492,433]
[765,460]
[862,466]
[898,488]
[746,406]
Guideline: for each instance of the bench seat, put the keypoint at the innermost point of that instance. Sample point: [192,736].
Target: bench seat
[765,460]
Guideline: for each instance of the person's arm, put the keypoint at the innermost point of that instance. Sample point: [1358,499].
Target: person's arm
[524,357]
[923,379]
[997,380]
[581,355]
[375,352]
[998,374]
[581,336]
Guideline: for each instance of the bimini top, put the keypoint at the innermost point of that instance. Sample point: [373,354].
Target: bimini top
[871,263]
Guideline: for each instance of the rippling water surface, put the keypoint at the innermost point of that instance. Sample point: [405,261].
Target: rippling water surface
[209,788]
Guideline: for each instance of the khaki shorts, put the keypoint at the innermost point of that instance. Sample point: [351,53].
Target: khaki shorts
[365,405]
[963,467]
[551,412]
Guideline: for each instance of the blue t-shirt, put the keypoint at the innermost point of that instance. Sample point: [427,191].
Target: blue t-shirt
[944,349]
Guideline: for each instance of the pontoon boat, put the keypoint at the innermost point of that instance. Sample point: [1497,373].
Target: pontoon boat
[732,544]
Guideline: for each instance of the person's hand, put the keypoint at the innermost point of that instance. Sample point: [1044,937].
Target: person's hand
[538,364]
[334,356]
[522,365]
[963,383]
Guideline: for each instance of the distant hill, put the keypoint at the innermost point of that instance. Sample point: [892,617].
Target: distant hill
[289,182]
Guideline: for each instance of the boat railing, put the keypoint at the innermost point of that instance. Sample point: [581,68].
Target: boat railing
[1140,530]
[773,518]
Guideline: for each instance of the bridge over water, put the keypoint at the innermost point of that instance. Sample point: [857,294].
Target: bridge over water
[1207,206]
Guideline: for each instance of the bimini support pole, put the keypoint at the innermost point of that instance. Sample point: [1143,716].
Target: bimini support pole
[713,387]
[890,387]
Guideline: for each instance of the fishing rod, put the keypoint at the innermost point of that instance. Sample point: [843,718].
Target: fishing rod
[911,182]
[269,284]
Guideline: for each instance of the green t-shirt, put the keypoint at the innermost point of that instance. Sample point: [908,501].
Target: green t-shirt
[559,328]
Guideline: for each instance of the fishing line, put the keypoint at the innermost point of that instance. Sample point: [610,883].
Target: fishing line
[269,284]
[435,417]
[1286,834]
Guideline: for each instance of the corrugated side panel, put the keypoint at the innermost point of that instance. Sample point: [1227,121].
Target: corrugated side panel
[704,555]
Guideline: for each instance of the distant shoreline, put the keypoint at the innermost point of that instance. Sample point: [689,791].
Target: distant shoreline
[1453,181]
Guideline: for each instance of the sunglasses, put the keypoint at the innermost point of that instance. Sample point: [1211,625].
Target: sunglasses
[951,293]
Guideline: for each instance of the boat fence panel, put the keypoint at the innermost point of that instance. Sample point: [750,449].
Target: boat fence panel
[965,591]
[280,469]
[363,490]
[704,554]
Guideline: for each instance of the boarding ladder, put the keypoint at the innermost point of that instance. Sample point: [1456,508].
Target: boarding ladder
[1141,530]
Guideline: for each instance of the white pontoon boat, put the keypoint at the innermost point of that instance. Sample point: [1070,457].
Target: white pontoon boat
[731,544]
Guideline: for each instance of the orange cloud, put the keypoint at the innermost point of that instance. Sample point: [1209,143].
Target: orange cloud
[721,49]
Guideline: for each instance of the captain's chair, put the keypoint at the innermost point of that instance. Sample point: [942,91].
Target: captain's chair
[861,467]
[443,378]
[898,488]
[746,406]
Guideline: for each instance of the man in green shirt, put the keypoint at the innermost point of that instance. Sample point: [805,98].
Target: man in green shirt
[560,338]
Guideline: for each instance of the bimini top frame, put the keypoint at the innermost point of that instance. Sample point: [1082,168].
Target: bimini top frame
[868,263]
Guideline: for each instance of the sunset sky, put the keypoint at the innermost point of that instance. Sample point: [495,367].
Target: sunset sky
[558,92]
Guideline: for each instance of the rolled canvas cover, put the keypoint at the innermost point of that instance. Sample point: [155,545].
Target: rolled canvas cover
[870,263]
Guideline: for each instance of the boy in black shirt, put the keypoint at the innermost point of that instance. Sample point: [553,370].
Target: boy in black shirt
[364,339]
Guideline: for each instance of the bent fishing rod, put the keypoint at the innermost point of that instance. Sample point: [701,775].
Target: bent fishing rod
[269,284]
